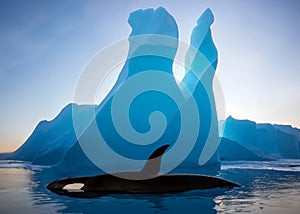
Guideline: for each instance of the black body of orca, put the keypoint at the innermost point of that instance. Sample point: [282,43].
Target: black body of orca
[95,186]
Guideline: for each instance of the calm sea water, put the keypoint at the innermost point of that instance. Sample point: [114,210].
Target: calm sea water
[268,187]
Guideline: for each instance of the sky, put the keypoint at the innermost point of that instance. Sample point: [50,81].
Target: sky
[44,45]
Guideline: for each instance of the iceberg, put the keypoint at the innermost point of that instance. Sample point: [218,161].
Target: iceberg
[266,141]
[201,62]
[142,122]
[287,145]
[50,140]
[57,143]
[230,150]
[289,130]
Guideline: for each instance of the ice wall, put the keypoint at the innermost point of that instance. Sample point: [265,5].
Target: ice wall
[265,140]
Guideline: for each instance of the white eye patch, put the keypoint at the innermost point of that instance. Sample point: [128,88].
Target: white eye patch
[76,187]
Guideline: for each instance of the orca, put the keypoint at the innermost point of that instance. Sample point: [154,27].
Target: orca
[104,184]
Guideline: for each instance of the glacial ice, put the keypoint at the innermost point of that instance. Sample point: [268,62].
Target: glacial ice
[50,140]
[201,66]
[264,140]
[56,143]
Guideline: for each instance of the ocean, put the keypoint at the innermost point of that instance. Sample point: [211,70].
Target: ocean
[267,187]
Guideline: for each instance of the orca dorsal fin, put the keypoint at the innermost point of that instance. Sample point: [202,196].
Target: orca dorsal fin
[152,166]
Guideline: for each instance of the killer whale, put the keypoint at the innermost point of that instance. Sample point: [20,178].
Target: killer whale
[95,186]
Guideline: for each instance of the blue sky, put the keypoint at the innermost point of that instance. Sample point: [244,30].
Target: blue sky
[45,44]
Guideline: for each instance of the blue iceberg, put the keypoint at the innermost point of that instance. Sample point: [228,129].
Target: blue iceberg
[153,45]
[258,141]
[50,140]
[147,108]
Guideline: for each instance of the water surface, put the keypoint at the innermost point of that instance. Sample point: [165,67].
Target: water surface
[268,187]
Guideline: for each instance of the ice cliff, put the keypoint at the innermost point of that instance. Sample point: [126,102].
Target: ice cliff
[261,141]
